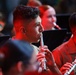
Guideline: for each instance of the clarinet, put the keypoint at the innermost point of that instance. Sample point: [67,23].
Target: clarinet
[42,44]
[59,28]
[71,69]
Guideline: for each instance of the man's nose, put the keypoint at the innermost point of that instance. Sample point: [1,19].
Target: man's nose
[41,28]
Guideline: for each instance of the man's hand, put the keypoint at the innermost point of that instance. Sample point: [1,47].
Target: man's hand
[66,67]
[45,53]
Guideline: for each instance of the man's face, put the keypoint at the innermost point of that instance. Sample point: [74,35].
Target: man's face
[34,30]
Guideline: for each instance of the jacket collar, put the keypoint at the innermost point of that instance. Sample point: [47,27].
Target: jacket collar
[71,45]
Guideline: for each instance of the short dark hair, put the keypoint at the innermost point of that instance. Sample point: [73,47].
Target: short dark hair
[25,12]
[15,51]
[72,20]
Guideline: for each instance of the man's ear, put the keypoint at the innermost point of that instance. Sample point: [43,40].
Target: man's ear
[23,30]
[20,66]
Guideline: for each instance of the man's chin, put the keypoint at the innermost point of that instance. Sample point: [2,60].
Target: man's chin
[36,41]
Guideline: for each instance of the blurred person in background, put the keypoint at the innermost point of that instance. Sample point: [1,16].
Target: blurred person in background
[7,7]
[65,54]
[34,3]
[18,57]
[48,16]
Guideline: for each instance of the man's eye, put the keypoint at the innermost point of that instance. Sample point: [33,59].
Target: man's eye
[37,24]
